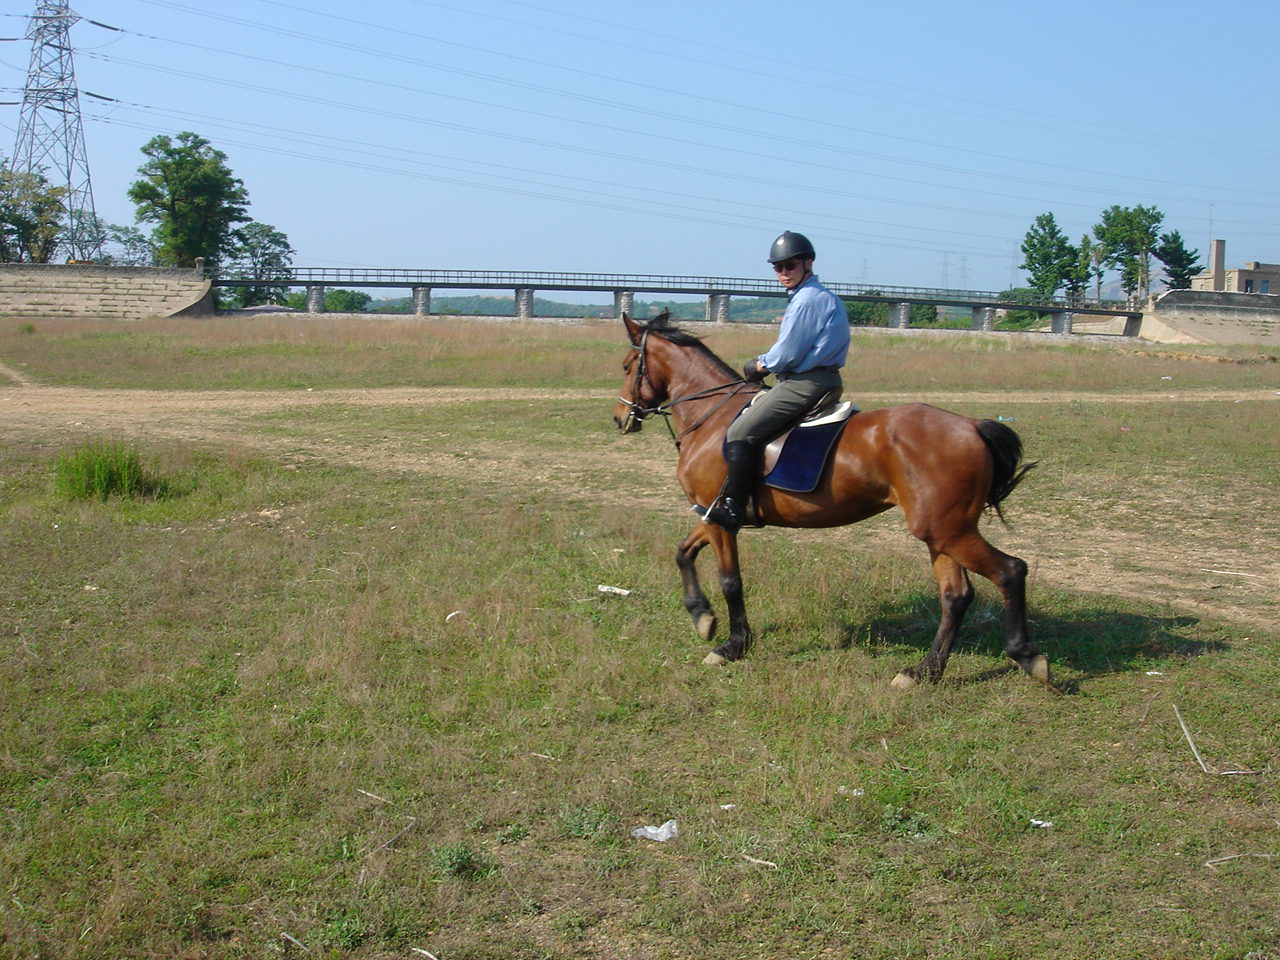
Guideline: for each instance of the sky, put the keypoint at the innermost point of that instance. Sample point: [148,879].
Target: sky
[913,142]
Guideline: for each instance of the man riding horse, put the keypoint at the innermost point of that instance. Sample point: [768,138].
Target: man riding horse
[812,344]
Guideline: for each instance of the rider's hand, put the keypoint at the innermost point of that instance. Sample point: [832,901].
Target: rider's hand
[751,371]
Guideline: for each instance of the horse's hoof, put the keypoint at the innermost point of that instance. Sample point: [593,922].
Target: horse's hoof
[1039,669]
[903,681]
[714,659]
[705,624]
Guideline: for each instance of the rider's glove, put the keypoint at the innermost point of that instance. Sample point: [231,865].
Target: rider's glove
[751,371]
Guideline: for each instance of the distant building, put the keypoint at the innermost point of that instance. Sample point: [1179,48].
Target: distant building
[1253,277]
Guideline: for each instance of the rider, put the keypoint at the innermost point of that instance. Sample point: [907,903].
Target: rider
[812,344]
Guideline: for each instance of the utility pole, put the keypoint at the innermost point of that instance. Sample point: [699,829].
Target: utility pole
[50,135]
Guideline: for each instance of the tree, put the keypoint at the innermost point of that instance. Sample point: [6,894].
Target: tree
[126,247]
[346,301]
[1048,255]
[339,301]
[189,193]
[1099,255]
[1013,319]
[1180,264]
[32,214]
[261,253]
[867,313]
[1082,269]
[1129,235]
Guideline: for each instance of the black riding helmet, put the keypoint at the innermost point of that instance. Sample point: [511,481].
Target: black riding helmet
[791,245]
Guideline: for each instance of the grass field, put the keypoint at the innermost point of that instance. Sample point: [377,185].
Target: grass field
[349,689]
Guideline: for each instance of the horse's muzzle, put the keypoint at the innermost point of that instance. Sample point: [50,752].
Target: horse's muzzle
[627,417]
[631,423]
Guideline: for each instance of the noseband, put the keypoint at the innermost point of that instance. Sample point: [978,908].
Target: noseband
[635,412]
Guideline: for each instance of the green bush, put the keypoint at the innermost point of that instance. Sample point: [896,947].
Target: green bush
[98,470]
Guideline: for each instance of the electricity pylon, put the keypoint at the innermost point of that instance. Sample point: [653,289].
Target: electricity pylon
[50,135]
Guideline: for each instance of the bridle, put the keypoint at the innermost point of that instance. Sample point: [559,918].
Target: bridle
[637,412]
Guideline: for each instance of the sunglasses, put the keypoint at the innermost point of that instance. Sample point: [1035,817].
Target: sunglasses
[786,266]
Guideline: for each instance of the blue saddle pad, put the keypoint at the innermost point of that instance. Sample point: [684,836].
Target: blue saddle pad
[804,455]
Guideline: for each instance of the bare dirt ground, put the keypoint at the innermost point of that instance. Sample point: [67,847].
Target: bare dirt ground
[1173,555]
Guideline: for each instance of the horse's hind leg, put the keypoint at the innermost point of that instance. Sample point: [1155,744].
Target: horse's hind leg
[695,601]
[956,593]
[1009,574]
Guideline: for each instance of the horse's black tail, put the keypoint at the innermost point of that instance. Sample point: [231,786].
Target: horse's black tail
[1006,457]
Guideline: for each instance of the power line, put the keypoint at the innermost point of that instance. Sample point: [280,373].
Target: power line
[651,207]
[649,89]
[1044,121]
[424,157]
[366,111]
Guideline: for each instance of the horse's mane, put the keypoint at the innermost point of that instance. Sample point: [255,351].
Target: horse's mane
[666,328]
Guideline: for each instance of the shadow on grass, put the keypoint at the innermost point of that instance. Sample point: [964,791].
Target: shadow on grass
[1091,640]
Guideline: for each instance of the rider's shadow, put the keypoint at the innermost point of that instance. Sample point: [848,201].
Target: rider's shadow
[1091,642]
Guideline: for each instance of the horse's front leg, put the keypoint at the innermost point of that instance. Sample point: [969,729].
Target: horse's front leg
[726,548]
[695,601]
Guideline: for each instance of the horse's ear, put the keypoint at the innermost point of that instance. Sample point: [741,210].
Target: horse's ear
[633,328]
[663,318]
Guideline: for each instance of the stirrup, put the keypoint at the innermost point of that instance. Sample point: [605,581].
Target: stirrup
[721,515]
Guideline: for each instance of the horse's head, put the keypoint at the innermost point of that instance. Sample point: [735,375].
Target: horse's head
[643,387]
[667,366]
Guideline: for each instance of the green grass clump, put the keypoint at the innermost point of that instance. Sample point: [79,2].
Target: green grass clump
[101,469]
[458,861]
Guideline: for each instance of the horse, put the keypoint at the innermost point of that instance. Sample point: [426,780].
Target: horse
[943,470]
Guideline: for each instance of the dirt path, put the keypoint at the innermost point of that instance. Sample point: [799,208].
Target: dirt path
[1180,559]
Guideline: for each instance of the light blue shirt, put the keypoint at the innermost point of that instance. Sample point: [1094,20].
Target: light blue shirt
[814,331]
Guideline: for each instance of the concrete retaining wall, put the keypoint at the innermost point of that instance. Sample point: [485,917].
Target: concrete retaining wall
[1203,316]
[112,293]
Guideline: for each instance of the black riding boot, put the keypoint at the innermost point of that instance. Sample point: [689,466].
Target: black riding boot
[742,459]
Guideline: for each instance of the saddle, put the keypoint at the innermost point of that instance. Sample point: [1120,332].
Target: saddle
[794,461]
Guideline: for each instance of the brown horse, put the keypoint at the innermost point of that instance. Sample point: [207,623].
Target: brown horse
[944,470]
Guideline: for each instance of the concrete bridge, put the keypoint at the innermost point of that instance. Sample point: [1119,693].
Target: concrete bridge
[717,290]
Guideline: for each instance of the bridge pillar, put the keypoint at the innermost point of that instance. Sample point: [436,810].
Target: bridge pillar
[422,301]
[315,298]
[524,303]
[624,301]
[1060,322]
[717,308]
[984,318]
[1132,326]
[900,315]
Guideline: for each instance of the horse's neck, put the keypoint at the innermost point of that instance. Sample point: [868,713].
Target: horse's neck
[697,373]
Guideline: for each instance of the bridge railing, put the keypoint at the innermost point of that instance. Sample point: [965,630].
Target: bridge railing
[652,283]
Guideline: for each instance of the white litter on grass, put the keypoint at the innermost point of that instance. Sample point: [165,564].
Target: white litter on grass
[1043,824]
[1155,673]
[668,831]
[452,615]
[605,588]
[728,806]
[295,941]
